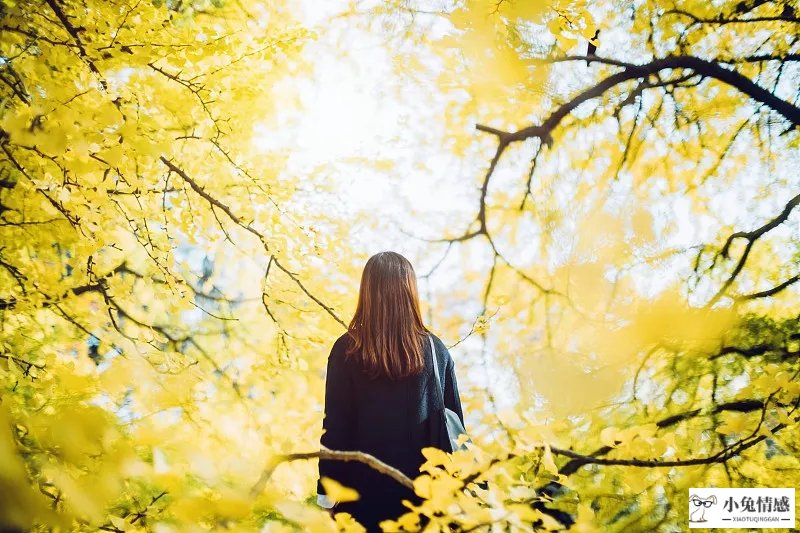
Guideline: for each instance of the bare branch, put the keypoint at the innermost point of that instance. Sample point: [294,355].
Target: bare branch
[751,237]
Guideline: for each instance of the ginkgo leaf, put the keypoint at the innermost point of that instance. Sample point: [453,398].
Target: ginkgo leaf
[548,462]
[119,523]
[435,457]
[524,512]
[422,486]
[338,492]
[734,423]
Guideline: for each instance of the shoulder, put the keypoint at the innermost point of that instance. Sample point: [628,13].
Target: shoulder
[441,348]
[339,348]
[340,344]
[437,341]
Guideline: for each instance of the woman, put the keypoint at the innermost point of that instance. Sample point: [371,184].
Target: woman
[379,393]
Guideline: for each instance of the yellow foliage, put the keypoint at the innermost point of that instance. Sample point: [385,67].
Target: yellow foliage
[551,374]
[669,320]
[21,503]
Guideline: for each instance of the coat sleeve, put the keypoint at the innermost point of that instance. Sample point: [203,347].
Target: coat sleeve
[452,400]
[337,423]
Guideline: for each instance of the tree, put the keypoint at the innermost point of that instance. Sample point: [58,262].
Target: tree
[127,157]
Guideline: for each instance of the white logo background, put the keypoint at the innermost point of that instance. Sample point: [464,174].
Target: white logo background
[741,508]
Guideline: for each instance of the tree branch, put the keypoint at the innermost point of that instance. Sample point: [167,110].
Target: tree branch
[239,222]
[751,237]
[326,453]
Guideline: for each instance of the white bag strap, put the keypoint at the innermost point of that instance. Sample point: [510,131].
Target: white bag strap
[436,368]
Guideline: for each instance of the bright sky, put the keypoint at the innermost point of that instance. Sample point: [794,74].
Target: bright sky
[351,109]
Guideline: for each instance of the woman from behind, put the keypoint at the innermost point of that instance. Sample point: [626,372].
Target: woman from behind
[379,393]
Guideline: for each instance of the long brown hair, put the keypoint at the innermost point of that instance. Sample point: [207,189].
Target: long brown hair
[387,329]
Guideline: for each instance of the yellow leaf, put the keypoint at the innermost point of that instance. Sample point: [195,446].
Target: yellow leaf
[735,423]
[435,457]
[525,512]
[422,486]
[585,521]
[347,523]
[547,461]
[338,492]
[529,9]
[119,523]
[609,436]
[409,521]
[481,324]
[783,417]
[647,430]
[233,506]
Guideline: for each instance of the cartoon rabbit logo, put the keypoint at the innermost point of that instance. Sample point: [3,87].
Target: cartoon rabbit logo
[700,505]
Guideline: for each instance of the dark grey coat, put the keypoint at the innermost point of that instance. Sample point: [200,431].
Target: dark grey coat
[391,420]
